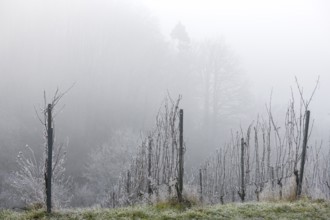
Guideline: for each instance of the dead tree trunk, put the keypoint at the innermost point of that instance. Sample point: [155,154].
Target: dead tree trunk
[49,159]
[303,156]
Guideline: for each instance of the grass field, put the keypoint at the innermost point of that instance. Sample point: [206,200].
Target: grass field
[303,209]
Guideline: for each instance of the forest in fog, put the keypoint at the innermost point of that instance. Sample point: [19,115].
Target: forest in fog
[116,127]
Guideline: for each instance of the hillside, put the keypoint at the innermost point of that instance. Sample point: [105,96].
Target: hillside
[304,209]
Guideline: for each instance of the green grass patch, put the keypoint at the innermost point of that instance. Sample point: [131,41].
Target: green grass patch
[174,205]
[302,209]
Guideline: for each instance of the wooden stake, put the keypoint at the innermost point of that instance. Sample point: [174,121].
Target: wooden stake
[180,178]
[49,160]
[303,156]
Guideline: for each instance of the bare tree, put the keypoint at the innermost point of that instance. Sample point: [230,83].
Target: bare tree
[218,76]
[30,180]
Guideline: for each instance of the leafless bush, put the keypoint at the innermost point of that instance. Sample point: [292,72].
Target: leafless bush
[266,162]
[153,171]
[28,182]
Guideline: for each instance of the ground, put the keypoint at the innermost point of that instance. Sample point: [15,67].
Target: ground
[303,209]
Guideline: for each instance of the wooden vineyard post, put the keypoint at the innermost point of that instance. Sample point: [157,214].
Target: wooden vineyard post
[241,193]
[180,173]
[201,185]
[149,166]
[272,177]
[303,155]
[128,183]
[113,199]
[49,159]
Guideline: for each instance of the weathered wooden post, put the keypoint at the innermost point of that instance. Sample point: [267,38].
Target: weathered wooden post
[149,166]
[128,183]
[241,193]
[113,199]
[49,159]
[201,185]
[180,174]
[272,177]
[303,156]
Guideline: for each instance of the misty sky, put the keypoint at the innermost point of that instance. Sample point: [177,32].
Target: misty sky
[274,40]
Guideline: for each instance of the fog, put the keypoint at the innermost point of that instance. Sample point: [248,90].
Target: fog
[122,58]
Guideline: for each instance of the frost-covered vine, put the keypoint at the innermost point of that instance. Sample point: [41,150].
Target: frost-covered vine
[153,171]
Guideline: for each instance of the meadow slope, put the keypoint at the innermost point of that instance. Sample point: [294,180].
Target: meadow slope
[303,209]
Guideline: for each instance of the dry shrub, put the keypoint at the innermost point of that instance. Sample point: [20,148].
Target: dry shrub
[273,194]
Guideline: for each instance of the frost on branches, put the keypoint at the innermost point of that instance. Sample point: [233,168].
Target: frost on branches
[270,161]
[29,181]
[153,171]
[105,163]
